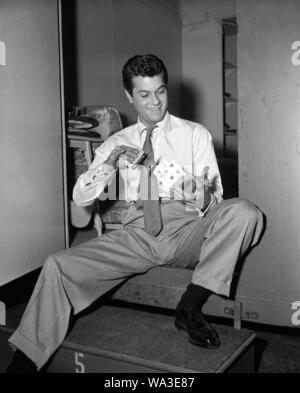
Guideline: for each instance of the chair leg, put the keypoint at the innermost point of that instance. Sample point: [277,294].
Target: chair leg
[237,314]
[2,314]
[98,224]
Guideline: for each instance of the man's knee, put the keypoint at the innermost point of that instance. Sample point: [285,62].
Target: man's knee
[54,261]
[245,211]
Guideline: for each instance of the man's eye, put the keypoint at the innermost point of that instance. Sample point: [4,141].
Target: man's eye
[162,91]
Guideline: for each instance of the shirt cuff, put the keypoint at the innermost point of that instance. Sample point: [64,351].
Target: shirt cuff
[96,176]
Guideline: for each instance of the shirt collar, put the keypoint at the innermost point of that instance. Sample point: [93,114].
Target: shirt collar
[164,124]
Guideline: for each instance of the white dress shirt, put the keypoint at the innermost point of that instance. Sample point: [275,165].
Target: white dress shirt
[187,143]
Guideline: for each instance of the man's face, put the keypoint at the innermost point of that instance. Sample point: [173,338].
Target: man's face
[150,98]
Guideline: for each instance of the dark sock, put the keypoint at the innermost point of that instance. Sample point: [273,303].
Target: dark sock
[21,364]
[195,296]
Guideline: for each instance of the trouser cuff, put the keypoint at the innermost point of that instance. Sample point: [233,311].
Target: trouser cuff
[29,349]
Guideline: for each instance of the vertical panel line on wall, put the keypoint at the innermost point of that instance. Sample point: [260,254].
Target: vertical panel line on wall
[114,51]
[63,127]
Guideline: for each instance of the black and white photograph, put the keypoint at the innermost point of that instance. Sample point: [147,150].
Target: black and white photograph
[150,176]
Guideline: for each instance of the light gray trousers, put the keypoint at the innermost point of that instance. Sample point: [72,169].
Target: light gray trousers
[73,279]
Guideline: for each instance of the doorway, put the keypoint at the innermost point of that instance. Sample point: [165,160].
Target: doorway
[229,167]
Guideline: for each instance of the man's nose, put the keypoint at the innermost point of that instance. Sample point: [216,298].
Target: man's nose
[154,99]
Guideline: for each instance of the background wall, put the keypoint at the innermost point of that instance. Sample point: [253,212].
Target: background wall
[31,198]
[202,74]
[198,11]
[107,33]
[269,143]
[268,146]
[88,28]
[202,63]
[141,28]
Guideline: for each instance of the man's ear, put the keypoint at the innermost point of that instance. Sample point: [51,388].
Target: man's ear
[128,95]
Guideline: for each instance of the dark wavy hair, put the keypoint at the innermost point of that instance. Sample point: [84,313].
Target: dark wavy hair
[142,65]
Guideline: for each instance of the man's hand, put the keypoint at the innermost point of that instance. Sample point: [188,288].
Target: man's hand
[192,188]
[129,153]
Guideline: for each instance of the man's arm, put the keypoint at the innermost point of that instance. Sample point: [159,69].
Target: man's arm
[203,184]
[91,184]
[191,188]
[204,156]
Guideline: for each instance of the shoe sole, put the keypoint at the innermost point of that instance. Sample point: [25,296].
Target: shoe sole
[182,327]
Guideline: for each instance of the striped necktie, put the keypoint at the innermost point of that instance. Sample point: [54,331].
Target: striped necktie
[149,189]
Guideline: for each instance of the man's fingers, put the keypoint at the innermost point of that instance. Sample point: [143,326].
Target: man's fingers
[126,148]
[186,182]
[177,193]
[129,152]
[129,149]
[178,183]
[131,155]
[118,150]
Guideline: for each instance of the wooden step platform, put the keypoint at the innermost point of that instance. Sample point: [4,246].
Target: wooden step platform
[164,286]
[119,339]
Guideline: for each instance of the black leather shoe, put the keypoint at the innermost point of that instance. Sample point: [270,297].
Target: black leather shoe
[199,330]
[21,364]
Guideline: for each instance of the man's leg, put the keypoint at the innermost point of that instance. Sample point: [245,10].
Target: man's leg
[72,280]
[217,241]
[234,226]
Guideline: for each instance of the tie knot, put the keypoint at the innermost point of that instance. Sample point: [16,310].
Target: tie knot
[148,148]
[150,131]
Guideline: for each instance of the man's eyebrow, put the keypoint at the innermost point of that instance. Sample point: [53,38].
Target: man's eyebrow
[148,91]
